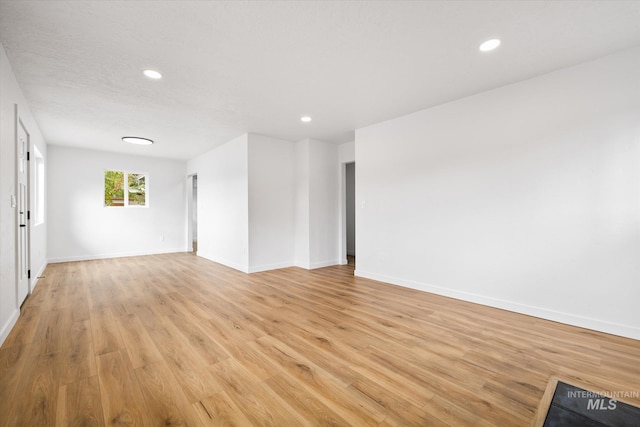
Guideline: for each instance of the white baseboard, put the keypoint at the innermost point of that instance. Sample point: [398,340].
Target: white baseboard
[230,264]
[268,267]
[244,268]
[321,264]
[540,312]
[90,257]
[8,326]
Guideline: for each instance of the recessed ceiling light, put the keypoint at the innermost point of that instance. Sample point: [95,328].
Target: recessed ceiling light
[305,119]
[152,74]
[489,45]
[137,140]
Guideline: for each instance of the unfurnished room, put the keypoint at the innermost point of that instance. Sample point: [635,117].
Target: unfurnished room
[306,213]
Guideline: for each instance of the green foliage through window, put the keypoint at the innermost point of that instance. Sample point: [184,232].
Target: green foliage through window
[137,192]
[125,189]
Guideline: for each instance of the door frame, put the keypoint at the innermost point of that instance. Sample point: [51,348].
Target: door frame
[342,248]
[27,240]
[190,212]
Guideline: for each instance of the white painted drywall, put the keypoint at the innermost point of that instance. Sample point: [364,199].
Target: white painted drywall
[526,197]
[271,203]
[347,152]
[324,204]
[223,197]
[39,233]
[301,240]
[11,95]
[266,203]
[324,215]
[86,229]
[317,204]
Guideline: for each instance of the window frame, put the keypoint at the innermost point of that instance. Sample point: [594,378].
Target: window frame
[125,177]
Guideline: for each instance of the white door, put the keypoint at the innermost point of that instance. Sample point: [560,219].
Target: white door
[23,209]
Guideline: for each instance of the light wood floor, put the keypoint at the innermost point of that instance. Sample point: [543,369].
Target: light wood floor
[177,340]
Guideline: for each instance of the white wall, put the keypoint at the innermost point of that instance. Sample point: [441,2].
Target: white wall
[324,211]
[10,95]
[347,152]
[271,203]
[301,241]
[526,197]
[38,232]
[223,197]
[265,203]
[86,229]
[317,204]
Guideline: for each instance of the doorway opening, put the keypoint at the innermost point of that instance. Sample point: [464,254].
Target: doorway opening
[350,207]
[194,214]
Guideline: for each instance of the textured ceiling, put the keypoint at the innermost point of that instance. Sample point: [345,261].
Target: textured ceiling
[236,67]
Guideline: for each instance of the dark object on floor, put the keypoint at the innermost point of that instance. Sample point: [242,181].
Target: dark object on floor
[570,406]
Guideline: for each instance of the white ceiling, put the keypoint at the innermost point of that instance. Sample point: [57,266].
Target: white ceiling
[235,67]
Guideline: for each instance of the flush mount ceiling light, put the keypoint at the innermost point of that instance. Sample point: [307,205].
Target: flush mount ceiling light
[489,45]
[305,119]
[152,74]
[137,140]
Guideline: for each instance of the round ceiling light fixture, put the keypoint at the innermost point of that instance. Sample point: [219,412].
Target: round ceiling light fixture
[489,45]
[305,119]
[152,74]
[137,140]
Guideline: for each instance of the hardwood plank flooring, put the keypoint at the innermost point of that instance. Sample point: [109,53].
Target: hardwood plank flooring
[174,339]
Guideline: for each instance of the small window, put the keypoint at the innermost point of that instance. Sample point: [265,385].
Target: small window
[125,189]
[39,187]
[136,188]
